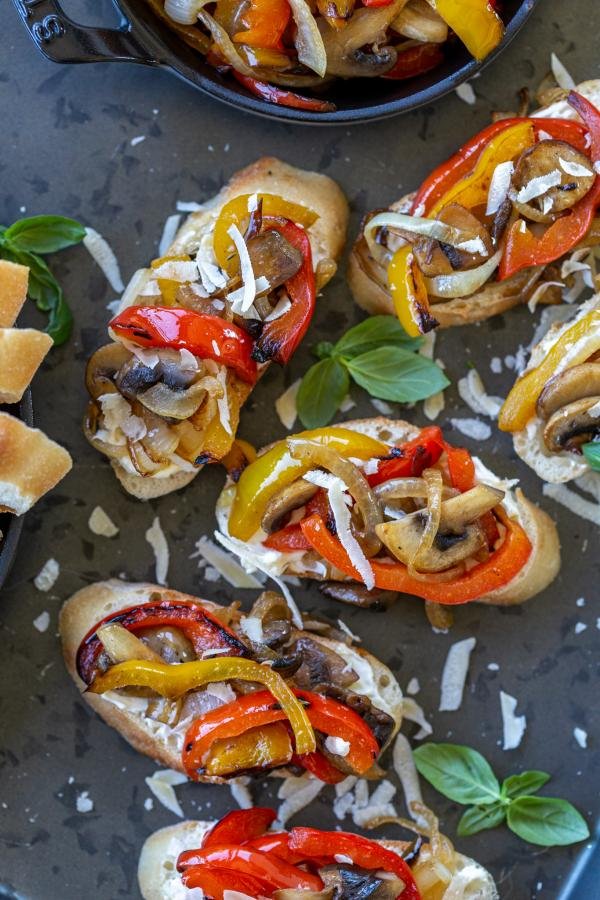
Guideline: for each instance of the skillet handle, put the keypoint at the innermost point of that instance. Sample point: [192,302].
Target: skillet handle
[64,41]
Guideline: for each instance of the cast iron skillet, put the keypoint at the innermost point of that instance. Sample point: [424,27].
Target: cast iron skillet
[11,526]
[143,38]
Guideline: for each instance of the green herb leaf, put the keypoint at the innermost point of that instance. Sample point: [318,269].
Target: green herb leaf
[323,350]
[591,451]
[525,783]
[45,234]
[480,818]
[393,373]
[374,332]
[321,392]
[458,772]
[546,821]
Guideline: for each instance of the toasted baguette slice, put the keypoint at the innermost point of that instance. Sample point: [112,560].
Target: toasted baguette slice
[14,279]
[21,353]
[539,571]
[158,878]
[327,237]
[30,464]
[368,280]
[91,604]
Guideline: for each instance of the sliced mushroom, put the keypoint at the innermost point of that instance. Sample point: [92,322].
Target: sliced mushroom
[357,594]
[573,425]
[548,158]
[320,666]
[353,883]
[420,22]
[289,498]
[171,403]
[293,894]
[273,257]
[436,258]
[102,367]
[459,536]
[345,47]
[568,386]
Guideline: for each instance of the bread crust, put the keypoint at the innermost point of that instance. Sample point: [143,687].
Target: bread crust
[96,601]
[372,295]
[31,464]
[21,353]
[539,571]
[14,279]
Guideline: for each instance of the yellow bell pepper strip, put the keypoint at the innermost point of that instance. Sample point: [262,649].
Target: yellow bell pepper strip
[472,190]
[275,469]
[265,22]
[258,748]
[475,22]
[236,213]
[167,286]
[409,293]
[519,406]
[174,681]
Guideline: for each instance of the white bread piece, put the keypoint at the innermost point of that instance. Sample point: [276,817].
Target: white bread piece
[158,878]
[494,298]
[14,279]
[556,468]
[96,601]
[327,237]
[21,353]
[30,464]
[541,568]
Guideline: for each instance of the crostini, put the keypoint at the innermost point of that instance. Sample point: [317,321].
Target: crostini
[240,857]
[553,409]
[491,225]
[173,673]
[381,504]
[235,291]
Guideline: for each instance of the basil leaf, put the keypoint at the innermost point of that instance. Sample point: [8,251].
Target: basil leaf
[323,349]
[546,821]
[525,783]
[45,234]
[374,332]
[393,373]
[591,451]
[321,392]
[480,818]
[458,772]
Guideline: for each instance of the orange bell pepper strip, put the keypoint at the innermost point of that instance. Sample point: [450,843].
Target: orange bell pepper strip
[523,248]
[502,566]
[409,293]
[461,468]
[475,22]
[266,748]
[265,22]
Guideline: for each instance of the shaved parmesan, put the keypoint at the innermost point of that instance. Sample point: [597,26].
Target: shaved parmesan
[241,792]
[42,622]
[353,637]
[225,564]
[578,505]
[83,802]
[413,686]
[135,286]
[539,186]
[581,737]
[252,628]
[296,793]
[466,93]
[499,187]
[169,231]
[406,771]
[382,407]
[414,713]
[285,405]
[472,391]
[161,784]
[337,745]
[539,293]
[47,576]
[103,256]
[223,401]
[211,276]
[157,540]
[573,168]
[188,206]
[101,524]
[563,78]
[455,674]
[282,307]
[178,270]
[246,269]
[513,726]
[434,405]
[118,417]
[473,428]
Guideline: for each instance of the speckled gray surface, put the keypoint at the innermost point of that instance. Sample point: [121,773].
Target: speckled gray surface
[67,147]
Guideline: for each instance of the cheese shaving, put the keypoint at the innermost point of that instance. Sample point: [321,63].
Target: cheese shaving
[564,79]
[406,771]
[42,622]
[539,186]
[412,711]
[473,428]
[513,726]
[188,206]
[499,187]
[225,564]
[578,505]
[472,391]
[101,524]
[104,257]
[581,737]
[246,269]
[178,270]
[161,784]
[169,231]
[338,746]
[241,792]
[285,405]
[296,794]
[539,293]
[47,576]
[281,307]
[574,169]
[83,802]
[252,628]
[157,540]
[223,402]
[211,276]
[466,93]
[454,675]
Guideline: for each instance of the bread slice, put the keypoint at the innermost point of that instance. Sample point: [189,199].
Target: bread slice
[541,568]
[14,279]
[368,283]
[158,878]
[30,464]
[327,237]
[91,604]
[21,353]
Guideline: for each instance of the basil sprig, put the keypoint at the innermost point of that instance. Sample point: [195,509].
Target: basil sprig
[379,356]
[23,242]
[591,451]
[465,776]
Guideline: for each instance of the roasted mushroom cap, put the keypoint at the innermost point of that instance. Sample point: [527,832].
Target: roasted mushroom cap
[353,883]
[347,48]
[572,384]
[102,367]
[273,257]
[551,161]
[285,501]
[436,258]
[573,425]
[459,535]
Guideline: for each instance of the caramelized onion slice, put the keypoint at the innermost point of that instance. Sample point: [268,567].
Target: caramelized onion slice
[121,645]
[435,488]
[173,404]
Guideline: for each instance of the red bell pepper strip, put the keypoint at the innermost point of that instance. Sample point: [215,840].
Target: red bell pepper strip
[333,718]
[416,60]
[208,337]
[280,96]
[290,538]
[280,337]
[203,630]
[214,882]
[452,170]
[265,22]
[367,854]
[523,248]
[277,873]
[239,826]
[461,468]
[501,567]
[319,766]
[411,458]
